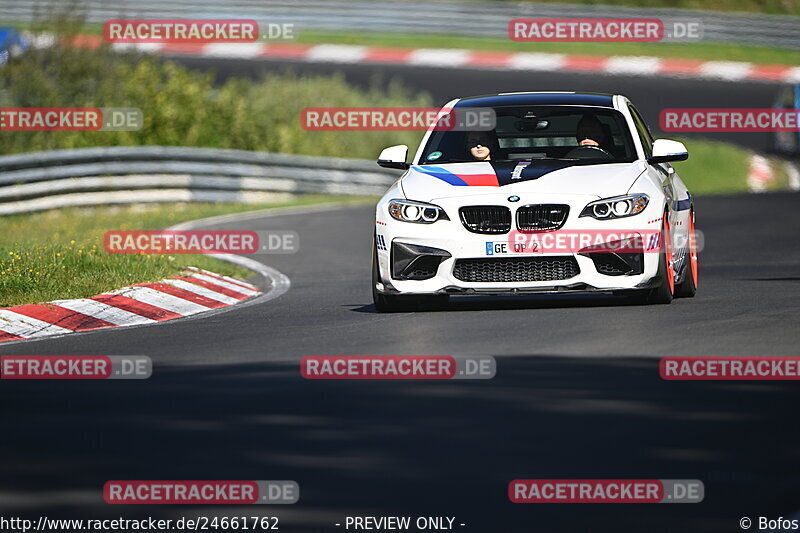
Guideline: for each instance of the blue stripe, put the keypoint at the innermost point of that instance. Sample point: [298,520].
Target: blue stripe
[682,205]
[443,174]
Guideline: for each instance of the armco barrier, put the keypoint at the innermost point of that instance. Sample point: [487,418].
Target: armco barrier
[118,175]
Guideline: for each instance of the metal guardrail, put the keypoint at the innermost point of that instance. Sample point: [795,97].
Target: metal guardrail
[471,18]
[120,175]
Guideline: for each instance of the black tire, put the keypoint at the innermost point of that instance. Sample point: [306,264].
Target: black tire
[688,287]
[391,303]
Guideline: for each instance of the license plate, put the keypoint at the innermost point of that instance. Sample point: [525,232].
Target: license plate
[512,248]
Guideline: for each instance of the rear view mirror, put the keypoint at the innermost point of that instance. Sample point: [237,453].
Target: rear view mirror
[666,151]
[394,157]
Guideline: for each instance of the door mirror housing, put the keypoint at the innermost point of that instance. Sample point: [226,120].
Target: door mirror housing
[666,151]
[394,157]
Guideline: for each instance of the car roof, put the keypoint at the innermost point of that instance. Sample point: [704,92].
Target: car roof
[539,98]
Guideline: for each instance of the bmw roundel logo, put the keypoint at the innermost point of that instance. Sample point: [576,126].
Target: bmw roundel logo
[514,198]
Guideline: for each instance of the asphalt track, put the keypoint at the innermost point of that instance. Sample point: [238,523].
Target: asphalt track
[577,392]
[577,395]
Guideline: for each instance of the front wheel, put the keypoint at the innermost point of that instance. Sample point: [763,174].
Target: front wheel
[688,287]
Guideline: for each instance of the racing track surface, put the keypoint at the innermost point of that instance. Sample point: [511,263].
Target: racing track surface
[577,395]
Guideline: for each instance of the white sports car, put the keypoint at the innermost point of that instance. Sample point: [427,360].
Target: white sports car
[567,192]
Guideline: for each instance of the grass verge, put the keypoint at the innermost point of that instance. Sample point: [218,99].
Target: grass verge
[59,254]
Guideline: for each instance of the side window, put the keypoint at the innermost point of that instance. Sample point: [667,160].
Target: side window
[644,133]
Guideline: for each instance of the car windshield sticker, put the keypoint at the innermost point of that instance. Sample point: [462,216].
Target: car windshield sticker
[433,156]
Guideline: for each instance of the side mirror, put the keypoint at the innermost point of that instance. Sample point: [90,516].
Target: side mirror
[666,151]
[394,157]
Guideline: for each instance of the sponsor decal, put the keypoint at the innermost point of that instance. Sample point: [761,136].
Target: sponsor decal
[380,242]
[517,173]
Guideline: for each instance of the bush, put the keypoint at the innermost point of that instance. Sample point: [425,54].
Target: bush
[186,108]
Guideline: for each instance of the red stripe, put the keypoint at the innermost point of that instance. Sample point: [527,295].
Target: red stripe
[182,48]
[87,41]
[184,294]
[769,72]
[61,317]
[486,180]
[592,63]
[213,287]
[680,66]
[4,336]
[135,306]
[286,50]
[387,55]
[489,59]
[217,276]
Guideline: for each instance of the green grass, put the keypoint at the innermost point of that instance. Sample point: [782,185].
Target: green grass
[59,254]
[720,168]
[713,167]
[699,50]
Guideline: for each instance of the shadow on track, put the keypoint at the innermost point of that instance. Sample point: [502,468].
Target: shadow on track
[408,448]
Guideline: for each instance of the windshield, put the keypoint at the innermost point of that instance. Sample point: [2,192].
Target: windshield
[588,135]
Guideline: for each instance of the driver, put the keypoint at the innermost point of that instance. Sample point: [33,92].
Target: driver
[480,145]
[590,132]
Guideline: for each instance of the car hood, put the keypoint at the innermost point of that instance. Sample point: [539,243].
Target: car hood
[426,183]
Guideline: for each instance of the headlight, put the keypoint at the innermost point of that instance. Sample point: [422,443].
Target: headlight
[418,212]
[617,207]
